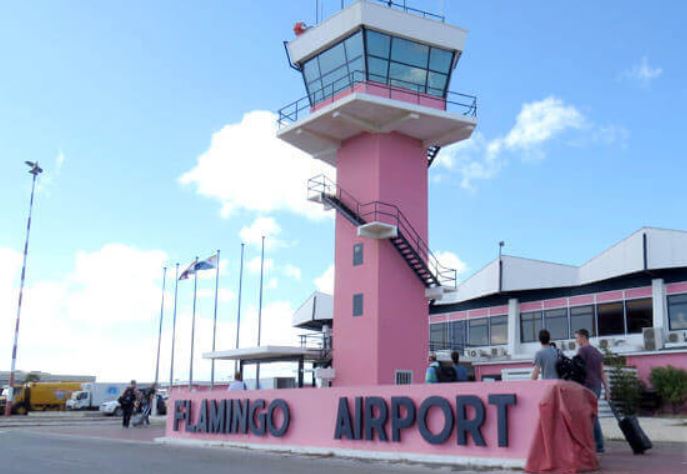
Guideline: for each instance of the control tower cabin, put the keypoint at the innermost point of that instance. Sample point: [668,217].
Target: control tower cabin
[378,109]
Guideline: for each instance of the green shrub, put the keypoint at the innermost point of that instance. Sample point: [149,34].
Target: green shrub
[626,392]
[670,384]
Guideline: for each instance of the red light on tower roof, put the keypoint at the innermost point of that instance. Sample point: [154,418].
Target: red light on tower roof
[299,28]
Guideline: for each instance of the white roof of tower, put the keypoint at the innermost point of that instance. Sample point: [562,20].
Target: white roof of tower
[378,17]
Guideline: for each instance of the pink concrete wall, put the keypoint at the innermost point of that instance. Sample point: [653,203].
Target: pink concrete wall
[313,417]
[644,363]
[392,333]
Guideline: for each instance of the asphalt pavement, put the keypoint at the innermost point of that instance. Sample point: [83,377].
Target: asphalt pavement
[37,451]
[107,448]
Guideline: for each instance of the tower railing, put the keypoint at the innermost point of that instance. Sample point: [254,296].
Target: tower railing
[357,81]
[402,5]
[320,188]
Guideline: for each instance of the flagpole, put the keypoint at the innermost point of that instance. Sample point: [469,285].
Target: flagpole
[159,332]
[262,266]
[238,315]
[174,327]
[214,325]
[193,323]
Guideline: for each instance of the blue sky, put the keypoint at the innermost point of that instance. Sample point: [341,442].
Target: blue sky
[581,115]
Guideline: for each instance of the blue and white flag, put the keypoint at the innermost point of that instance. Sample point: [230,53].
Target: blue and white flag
[207,264]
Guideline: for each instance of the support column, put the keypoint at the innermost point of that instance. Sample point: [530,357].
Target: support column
[513,327]
[658,298]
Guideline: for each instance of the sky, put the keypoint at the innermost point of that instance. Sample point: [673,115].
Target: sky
[154,122]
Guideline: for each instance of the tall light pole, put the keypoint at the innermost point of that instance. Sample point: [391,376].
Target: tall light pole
[34,170]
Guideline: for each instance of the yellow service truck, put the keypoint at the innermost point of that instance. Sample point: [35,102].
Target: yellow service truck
[40,396]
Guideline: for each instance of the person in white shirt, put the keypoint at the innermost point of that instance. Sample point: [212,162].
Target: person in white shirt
[238,383]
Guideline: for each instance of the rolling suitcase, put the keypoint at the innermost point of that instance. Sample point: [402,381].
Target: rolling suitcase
[634,434]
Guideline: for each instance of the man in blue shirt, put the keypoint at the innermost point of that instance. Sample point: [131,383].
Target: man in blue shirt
[461,372]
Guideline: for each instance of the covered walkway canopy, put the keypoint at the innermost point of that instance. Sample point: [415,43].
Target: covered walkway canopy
[269,354]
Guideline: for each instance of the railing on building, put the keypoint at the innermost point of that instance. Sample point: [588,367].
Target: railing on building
[354,81]
[318,342]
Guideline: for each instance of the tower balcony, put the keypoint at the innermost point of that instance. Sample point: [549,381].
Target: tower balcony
[319,122]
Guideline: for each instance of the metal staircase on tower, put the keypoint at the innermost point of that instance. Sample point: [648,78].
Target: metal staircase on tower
[432,152]
[385,221]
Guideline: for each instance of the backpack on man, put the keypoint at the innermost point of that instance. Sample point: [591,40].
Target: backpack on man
[446,373]
[571,369]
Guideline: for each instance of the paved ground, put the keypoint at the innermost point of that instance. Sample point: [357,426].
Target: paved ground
[106,448]
[671,429]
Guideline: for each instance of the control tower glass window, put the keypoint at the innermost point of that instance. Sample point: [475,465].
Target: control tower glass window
[406,64]
[382,58]
[335,69]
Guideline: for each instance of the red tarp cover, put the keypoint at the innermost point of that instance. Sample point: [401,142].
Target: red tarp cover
[564,442]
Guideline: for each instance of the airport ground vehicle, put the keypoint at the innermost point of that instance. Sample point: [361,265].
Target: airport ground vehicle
[93,394]
[40,396]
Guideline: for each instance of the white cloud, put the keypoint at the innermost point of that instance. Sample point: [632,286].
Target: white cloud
[247,167]
[451,260]
[253,265]
[292,271]
[59,162]
[262,226]
[98,318]
[643,72]
[325,282]
[536,124]
[223,295]
[115,283]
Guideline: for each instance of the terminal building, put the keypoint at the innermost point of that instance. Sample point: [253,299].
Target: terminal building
[632,298]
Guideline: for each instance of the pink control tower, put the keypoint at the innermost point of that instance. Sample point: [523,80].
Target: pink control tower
[378,109]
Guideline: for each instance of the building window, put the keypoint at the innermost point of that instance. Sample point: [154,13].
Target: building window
[437,336]
[357,254]
[639,314]
[677,312]
[358,304]
[582,317]
[611,319]
[530,325]
[457,335]
[498,330]
[556,322]
[478,332]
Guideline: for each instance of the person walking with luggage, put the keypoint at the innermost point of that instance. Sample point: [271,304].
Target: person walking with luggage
[461,372]
[545,359]
[127,401]
[595,378]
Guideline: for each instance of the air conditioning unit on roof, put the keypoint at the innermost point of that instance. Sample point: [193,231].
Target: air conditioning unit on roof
[571,345]
[606,343]
[653,339]
[676,339]
[472,353]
